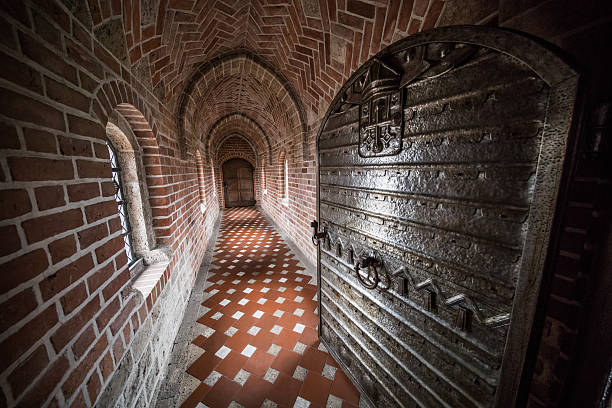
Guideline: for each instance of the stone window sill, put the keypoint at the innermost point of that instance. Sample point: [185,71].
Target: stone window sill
[150,274]
[149,278]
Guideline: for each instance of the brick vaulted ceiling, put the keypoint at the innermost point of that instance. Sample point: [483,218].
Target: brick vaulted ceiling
[233,87]
[311,45]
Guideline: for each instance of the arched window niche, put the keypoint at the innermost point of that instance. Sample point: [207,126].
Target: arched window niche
[214,180]
[201,182]
[264,187]
[284,179]
[137,215]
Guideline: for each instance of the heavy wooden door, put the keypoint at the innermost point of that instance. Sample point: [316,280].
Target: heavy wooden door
[238,183]
[439,166]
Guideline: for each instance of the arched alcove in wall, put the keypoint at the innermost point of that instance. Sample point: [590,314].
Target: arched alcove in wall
[283,177]
[118,96]
[127,130]
[235,146]
[131,182]
[200,171]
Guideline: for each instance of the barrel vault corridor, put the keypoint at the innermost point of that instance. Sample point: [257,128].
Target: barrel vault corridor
[305,203]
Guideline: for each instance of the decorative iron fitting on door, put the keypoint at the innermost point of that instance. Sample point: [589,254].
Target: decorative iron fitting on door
[368,263]
[316,235]
[380,112]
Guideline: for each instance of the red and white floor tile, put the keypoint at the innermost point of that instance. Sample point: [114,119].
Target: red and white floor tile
[259,332]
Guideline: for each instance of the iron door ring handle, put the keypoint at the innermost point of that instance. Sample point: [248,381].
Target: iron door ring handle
[370,263]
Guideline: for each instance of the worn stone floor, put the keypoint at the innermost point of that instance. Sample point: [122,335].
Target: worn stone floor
[254,343]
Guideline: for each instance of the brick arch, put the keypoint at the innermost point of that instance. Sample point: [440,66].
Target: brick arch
[246,127]
[109,95]
[226,138]
[241,82]
[118,96]
[231,156]
[159,196]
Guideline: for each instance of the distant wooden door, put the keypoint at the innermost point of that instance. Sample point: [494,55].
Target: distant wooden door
[238,183]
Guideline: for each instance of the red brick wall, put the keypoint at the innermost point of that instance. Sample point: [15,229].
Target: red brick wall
[295,214]
[67,312]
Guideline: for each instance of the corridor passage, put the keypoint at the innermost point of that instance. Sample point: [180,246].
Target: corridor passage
[259,332]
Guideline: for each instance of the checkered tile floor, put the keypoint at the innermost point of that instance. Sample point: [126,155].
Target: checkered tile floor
[259,331]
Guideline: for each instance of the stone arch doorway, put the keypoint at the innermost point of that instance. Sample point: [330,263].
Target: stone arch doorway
[440,163]
[238,183]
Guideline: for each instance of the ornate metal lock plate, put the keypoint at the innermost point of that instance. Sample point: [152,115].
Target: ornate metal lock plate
[380,112]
